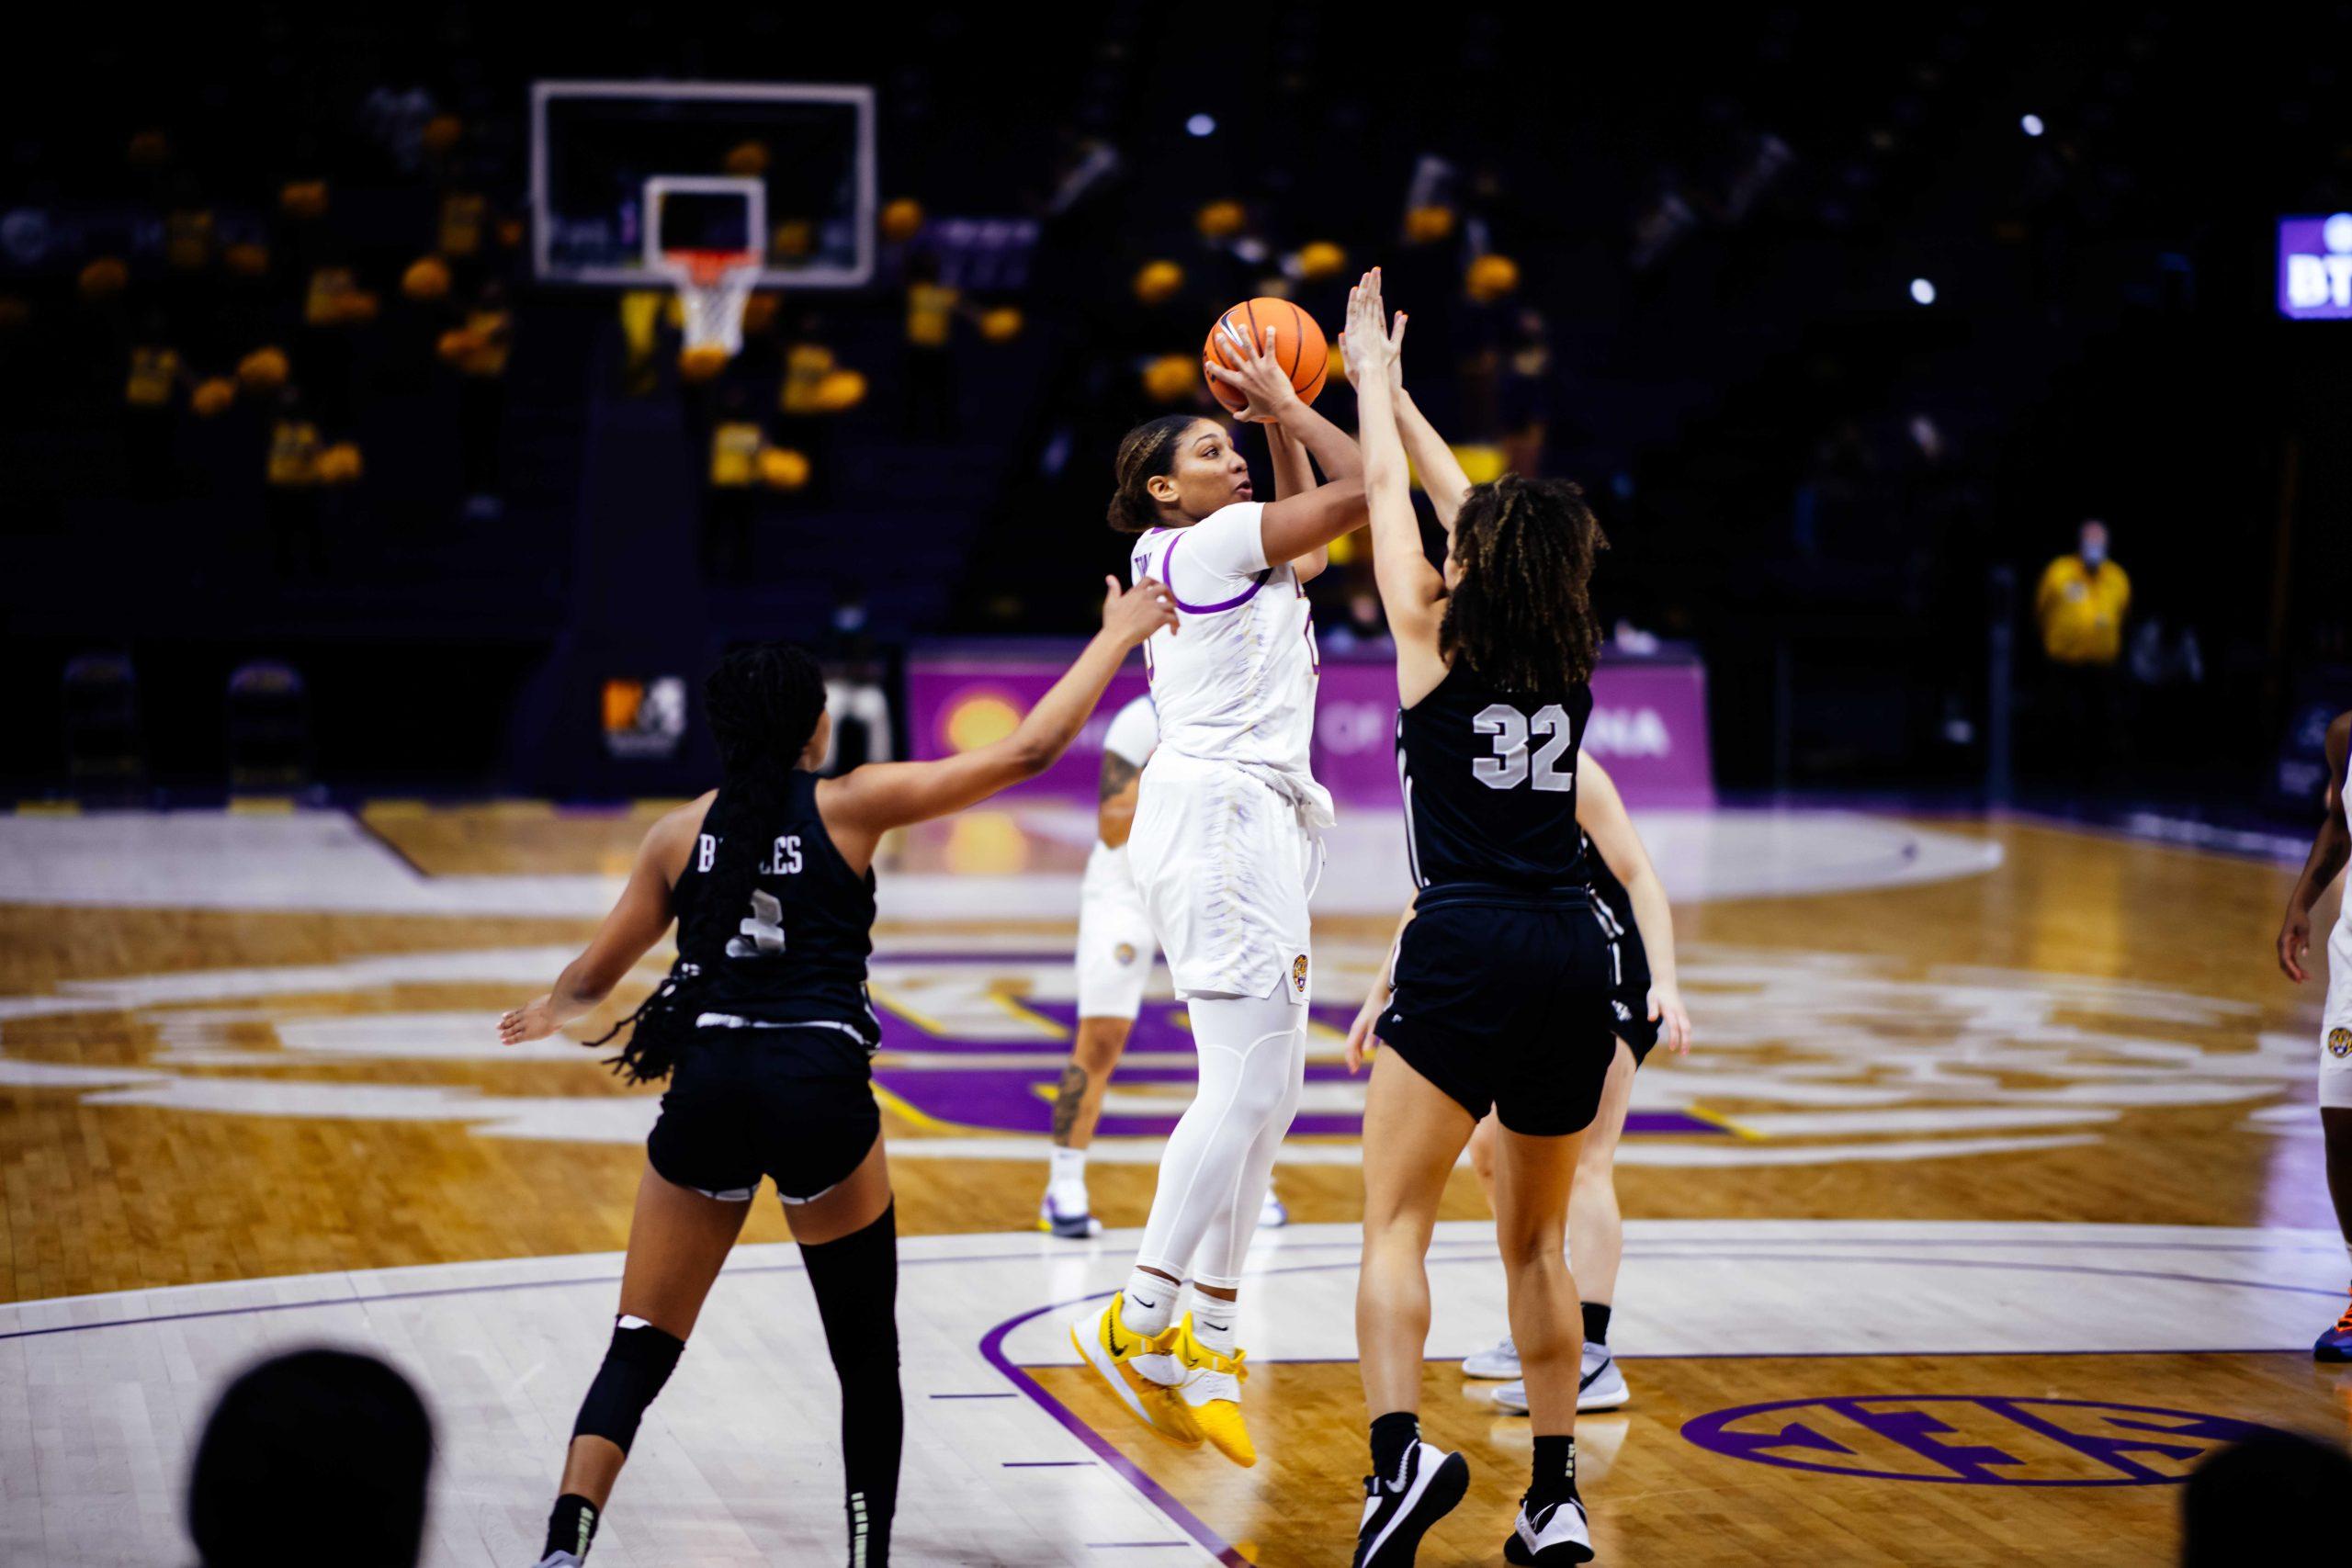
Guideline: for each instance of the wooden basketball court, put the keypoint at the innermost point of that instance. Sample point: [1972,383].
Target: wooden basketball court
[1989,1199]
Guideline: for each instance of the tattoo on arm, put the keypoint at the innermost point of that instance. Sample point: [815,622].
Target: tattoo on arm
[1066,1101]
[1117,774]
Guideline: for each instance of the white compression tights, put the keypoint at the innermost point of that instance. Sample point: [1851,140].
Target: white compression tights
[1214,1174]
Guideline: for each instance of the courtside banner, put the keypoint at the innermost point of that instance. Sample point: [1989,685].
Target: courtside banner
[1649,720]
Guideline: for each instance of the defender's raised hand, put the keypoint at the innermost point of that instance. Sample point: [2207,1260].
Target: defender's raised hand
[1132,614]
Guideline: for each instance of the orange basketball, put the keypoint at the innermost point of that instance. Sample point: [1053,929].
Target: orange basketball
[1299,346]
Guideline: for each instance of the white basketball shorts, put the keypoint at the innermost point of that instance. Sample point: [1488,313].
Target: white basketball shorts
[1115,939]
[1224,864]
[2336,1027]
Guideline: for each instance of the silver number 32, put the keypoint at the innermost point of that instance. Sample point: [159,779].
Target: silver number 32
[1510,766]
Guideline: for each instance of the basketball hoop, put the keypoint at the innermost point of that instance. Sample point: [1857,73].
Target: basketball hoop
[706,235]
[714,287]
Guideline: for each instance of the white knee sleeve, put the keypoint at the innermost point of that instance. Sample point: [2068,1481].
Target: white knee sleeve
[1213,1173]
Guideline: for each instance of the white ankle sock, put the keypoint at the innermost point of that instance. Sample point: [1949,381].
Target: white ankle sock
[1069,1166]
[1149,1305]
[1214,1321]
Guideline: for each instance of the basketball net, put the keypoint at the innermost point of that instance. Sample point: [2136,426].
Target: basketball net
[714,287]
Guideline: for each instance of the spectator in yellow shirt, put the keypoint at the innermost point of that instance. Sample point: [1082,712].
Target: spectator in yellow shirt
[2080,607]
[2082,602]
[932,309]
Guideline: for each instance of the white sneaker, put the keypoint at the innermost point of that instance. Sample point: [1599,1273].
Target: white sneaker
[1556,1533]
[1272,1216]
[1064,1212]
[1500,1361]
[1602,1386]
[557,1560]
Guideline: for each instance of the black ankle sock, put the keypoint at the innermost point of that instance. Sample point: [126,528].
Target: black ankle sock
[1555,1478]
[571,1527]
[1596,1322]
[856,1281]
[1393,1435]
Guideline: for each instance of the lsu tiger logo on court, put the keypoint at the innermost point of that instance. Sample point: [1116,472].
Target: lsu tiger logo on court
[1298,974]
[2339,1042]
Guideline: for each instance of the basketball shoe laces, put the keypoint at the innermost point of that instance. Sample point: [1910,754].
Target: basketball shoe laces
[2343,1324]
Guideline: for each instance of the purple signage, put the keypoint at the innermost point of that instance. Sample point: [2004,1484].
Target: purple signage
[2315,268]
[1649,722]
[1971,1440]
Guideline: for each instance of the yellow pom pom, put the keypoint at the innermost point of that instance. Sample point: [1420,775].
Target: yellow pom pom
[901,219]
[840,390]
[701,363]
[149,149]
[103,279]
[1172,377]
[793,238]
[1219,220]
[1002,324]
[339,464]
[264,369]
[759,313]
[303,198]
[246,259]
[359,304]
[442,133]
[748,159]
[213,396]
[456,344]
[1320,259]
[1490,277]
[1425,225]
[428,277]
[1156,282]
[781,467]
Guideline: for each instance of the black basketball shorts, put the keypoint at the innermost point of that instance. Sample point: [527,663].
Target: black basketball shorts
[1628,991]
[1506,1006]
[743,1103]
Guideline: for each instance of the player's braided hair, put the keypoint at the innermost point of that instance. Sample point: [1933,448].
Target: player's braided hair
[764,703]
[1146,453]
[1522,616]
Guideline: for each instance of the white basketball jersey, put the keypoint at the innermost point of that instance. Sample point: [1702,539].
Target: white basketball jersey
[1135,730]
[1234,682]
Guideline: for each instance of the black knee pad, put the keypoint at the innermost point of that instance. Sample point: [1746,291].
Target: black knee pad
[637,1362]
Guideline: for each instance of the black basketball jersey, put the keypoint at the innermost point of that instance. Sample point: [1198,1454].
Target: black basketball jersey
[1489,783]
[797,952]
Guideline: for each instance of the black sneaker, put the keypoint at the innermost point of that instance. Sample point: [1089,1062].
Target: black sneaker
[1399,1509]
[1549,1534]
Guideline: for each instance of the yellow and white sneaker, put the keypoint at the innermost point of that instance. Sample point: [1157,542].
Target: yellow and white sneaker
[1141,1374]
[1212,1390]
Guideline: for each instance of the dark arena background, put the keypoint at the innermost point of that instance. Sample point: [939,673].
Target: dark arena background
[1965,393]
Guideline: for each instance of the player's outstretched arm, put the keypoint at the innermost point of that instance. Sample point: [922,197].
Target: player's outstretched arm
[1440,471]
[2329,849]
[1294,475]
[629,932]
[866,803]
[1411,591]
[1600,812]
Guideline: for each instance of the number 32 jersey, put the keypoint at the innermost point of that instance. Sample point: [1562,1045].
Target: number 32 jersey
[1489,783]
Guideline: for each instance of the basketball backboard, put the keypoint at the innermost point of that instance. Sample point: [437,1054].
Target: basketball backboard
[596,146]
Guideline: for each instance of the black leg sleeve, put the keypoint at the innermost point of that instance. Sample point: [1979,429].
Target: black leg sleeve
[856,1281]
